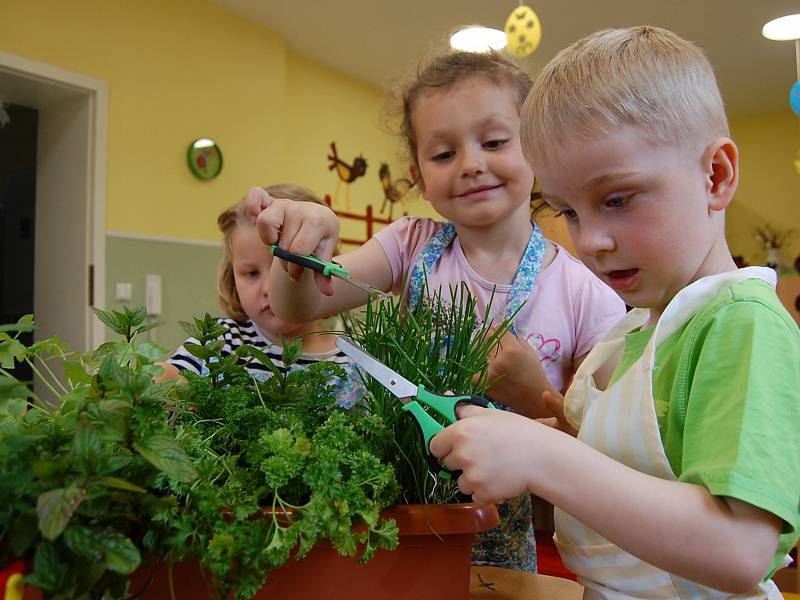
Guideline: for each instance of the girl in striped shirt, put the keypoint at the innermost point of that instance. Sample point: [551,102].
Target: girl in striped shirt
[243,287]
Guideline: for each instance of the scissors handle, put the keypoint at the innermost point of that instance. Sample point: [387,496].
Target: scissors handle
[429,427]
[309,261]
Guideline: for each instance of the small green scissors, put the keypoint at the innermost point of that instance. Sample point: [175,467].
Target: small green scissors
[328,269]
[413,398]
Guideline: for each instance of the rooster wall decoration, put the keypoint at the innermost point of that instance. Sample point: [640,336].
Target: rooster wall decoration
[346,173]
[393,191]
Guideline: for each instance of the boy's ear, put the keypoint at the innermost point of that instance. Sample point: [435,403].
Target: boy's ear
[721,164]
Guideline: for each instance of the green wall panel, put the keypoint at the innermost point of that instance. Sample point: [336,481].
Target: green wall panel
[188,280]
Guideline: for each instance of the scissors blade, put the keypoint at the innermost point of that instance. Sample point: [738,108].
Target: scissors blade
[391,380]
[365,286]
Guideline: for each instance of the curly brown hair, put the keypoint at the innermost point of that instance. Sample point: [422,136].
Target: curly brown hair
[227,222]
[445,69]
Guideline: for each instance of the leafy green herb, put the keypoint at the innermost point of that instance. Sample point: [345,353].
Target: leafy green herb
[239,473]
[82,478]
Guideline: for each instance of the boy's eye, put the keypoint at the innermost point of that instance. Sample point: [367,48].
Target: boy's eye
[567,213]
[616,201]
[495,144]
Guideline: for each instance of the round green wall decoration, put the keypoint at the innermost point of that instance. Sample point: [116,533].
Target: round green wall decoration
[204,158]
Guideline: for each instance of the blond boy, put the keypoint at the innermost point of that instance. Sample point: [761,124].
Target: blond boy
[684,479]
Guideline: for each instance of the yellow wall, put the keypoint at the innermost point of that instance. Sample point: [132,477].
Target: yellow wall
[176,71]
[183,69]
[325,106]
[769,189]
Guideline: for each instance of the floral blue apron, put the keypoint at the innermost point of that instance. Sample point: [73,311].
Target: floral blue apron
[511,544]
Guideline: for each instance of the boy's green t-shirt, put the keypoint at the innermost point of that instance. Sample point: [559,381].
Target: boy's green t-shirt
[726,388]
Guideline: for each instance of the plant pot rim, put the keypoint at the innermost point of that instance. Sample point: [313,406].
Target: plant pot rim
[428,519]
[425,519]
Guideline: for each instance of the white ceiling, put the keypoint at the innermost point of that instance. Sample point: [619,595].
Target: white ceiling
[379,40]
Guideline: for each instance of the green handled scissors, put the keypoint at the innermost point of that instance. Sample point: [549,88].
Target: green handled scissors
[413,398]
[328,269]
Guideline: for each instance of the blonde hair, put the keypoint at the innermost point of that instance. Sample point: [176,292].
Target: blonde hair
[441,71]
[642,76]
[227,222]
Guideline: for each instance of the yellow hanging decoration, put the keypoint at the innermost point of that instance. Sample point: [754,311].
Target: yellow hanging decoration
[523,30]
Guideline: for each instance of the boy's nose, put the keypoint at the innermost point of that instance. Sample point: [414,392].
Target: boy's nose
[594,240]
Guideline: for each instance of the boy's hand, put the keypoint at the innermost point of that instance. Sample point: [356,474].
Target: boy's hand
[495,449]
[299,227]
[517,378]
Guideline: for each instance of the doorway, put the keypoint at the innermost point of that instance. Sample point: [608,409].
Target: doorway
[17,218]
[67,231]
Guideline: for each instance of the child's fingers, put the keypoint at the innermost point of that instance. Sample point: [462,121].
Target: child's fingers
[554,403]
[441,445]
[324,284]
[465,411]
[269,223]
[257,199]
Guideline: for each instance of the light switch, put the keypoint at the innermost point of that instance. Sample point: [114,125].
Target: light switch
[123,291]
[152,294]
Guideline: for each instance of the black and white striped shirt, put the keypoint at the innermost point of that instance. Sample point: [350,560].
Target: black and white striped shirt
[245,332]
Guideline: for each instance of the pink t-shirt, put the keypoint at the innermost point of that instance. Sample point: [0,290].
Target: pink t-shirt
[568,311]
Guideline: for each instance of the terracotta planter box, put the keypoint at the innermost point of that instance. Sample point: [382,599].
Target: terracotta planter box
[425,565]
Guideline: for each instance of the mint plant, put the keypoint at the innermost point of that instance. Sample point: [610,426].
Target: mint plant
[81,478]
[125,473]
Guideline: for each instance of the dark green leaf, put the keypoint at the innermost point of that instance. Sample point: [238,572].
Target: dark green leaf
[148,327]
[164,453]
[120,484]
[111,321]
[75,372]
[198,351]
[23,325]
[190,329]
[11,350]
[87,447]
[11,388]
[121,554]
[83,542]
[54,509]
[23,533]
[48,570]
[151,351]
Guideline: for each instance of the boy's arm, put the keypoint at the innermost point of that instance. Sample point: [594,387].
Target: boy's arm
[675,526]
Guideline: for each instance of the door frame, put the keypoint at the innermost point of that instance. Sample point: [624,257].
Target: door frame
[71,155]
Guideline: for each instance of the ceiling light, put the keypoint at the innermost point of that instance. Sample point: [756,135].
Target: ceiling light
[478,39]
[783,28]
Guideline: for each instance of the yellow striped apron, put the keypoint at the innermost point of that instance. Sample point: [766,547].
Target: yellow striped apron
[621,423]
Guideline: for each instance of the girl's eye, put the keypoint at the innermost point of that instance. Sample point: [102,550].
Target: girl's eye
[495,144]
[251,274]
[442,156]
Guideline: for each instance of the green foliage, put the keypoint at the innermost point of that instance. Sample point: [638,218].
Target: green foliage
[238,473]
[80,478]
[444,345]
[278,445]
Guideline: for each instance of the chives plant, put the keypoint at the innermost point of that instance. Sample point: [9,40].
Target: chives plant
[442,344]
